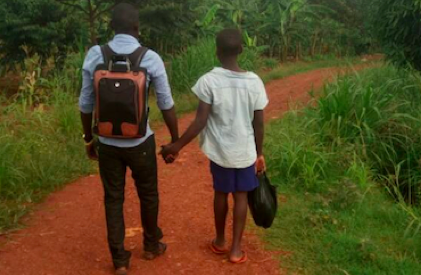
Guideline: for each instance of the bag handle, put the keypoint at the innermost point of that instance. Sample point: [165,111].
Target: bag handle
[132,60]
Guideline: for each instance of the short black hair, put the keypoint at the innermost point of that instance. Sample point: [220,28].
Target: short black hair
[125,18]
[229,42]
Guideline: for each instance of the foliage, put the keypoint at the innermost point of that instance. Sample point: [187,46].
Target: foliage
[374,117]
[42,26]
[166,25]
[337,162]
[379,115]
[94,12]
[285,29]
[398,24]
[345,230]
[41,150]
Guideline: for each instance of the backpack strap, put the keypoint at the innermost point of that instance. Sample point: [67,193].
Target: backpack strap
[107,54]
[137,56]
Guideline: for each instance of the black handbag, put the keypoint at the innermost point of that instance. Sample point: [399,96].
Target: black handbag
[263,202]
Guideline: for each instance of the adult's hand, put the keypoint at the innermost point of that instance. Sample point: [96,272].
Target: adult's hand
[169,153]
[91,150]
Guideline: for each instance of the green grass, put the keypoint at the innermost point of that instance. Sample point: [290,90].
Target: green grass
[40,151]
[347,170]
[330,234]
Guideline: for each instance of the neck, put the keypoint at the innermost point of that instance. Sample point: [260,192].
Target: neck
[135,35]
[231,64]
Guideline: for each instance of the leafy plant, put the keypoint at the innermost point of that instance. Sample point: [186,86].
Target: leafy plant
[398,25]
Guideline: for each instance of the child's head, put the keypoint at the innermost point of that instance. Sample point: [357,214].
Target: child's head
[229,44]
[125,19]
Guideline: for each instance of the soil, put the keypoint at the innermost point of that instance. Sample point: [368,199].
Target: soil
[66,234]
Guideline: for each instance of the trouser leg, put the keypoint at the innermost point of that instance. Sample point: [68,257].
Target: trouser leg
[113,172]
[142,162]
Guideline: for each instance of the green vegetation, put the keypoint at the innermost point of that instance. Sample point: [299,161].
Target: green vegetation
[281,29]
[398,25]
[349,171]
[40,150]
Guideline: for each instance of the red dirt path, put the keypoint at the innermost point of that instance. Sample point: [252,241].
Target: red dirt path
[66,234]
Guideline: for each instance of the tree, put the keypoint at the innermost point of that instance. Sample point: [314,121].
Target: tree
[286,22]
[398,25]
[93,10]
[167,26]
[35,27]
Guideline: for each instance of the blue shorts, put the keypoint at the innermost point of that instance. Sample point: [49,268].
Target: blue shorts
[231,180]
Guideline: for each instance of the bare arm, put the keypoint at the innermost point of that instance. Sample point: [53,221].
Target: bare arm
[89,138]
[259,131]
[192,132]
[87,126]
[170,118]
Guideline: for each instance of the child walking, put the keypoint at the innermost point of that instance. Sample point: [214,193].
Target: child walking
[230,120]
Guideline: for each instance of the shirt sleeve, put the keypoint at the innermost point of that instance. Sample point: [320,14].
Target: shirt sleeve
[159,78]
[203,91]
[87,95]
[262,99]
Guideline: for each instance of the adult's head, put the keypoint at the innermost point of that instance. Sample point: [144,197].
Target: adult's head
[125,19]
[229,44]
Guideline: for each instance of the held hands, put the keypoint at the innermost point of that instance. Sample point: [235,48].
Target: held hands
[260,165]
[169,153]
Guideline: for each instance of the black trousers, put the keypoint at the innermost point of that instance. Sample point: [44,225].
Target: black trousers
[113,163]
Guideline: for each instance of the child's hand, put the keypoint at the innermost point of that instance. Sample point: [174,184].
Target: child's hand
[260,165]
[169,153]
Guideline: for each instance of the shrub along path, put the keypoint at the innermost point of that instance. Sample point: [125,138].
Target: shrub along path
[66,234]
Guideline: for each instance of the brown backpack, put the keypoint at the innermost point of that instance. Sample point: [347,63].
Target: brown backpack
[121,109]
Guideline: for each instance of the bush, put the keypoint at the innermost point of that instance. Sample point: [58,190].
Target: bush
[398,23]
[40,151]
[378,113]
[43,27]
[362,123]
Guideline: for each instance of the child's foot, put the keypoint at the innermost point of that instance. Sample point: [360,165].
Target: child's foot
[218,247]
[238,258]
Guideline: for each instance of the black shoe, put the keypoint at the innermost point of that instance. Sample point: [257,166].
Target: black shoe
[121,271]
[153,255]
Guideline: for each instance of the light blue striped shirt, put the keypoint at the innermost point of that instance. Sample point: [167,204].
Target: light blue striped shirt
[125,44]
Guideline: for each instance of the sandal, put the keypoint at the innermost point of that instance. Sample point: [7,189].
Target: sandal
[153,255]
[243,259]
[216,249]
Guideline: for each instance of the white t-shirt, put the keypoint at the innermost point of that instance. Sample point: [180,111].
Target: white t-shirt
[228,139]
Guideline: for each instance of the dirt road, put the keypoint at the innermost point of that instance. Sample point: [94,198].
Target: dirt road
[66,234]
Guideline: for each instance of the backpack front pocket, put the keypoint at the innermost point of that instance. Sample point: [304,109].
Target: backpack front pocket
[118,105]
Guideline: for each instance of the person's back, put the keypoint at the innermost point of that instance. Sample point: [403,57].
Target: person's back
[228,139]
[138,149]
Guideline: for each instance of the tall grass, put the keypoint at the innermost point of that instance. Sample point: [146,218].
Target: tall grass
[350,168]
[379,114]
[40,150]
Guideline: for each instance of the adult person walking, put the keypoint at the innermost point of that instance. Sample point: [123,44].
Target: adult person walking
[116,154]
